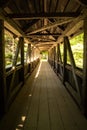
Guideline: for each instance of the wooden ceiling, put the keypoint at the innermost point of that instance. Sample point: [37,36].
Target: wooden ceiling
[44,22]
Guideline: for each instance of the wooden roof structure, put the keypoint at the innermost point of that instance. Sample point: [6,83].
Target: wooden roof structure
[43,22]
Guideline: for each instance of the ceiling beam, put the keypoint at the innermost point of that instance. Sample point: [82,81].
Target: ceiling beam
[27,16]
[42,44]
[60,22]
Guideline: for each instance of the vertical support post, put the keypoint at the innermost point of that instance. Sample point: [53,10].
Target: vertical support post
[29,47]
[54,53]
[57,58]
[2,70]
[84,86]
[22,57]
[64,60]
[29,56]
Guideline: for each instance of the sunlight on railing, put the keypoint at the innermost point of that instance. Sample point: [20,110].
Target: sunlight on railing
[38,70]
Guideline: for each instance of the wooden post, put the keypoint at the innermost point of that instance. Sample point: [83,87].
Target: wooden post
[84,86]
[54,54]
[64,60]
[57,58]
[29,46]
[2,70]
[22,57]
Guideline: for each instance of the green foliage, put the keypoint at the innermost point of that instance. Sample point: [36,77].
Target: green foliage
[44,54]
[77,49]
[10,48]
[61,51]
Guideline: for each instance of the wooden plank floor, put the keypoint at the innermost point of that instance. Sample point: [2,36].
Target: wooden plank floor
[43,104]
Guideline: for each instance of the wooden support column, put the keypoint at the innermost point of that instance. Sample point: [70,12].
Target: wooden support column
[54,53]
[29,48]
[2,70]
[57,58]
[84,86]
[64,60]
[22,57]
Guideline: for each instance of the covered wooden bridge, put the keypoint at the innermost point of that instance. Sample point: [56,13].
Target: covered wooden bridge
[38,94]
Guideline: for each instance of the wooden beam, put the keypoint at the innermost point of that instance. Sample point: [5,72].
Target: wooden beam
[10,23]
[54,59]
[29,51]
[22,58]
[60,22]
[27,16]
[3,91]
[84,85]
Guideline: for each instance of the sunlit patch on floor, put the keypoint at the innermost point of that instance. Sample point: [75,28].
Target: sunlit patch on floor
[30,95]
[38,70]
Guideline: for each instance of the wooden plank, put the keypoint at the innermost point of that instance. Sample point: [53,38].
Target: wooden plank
[32,115]
[43,119]
[54,113]
[64,116]
[64,61]
[22,58]
[45,104]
